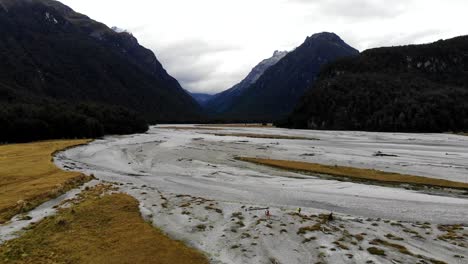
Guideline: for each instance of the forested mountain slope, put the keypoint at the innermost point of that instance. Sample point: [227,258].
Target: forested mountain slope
[417,88]
[53,59]
[279,88]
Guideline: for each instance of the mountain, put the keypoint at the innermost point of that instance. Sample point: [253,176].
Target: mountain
[416,88]
[51,55]
[201,98]
[276,92]
[221,102]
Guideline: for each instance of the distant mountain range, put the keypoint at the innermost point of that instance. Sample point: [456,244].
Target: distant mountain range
[202,98]
[273,88]
[64,75]
[51,56]
[416,88]
[222,102]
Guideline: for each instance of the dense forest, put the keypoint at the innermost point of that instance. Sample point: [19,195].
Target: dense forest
[417,88]
[32,118]
[54,61]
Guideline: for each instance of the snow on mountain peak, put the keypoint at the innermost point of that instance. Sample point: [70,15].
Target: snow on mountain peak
[119,30]
[278,53]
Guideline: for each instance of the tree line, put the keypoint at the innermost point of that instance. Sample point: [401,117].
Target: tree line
[51,119]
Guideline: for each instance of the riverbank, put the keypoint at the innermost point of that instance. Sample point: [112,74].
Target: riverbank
[28,177]
[99,226]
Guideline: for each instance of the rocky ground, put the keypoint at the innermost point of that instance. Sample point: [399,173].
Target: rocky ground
[189,184]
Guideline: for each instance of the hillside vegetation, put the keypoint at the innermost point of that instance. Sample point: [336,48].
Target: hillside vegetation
[54,60]
[418,88]
[276,92]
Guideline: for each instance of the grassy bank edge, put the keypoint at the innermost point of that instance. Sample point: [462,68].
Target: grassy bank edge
[356,173]
[28,204]
[102,225]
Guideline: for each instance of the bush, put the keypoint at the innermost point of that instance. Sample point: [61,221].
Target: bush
[376,251]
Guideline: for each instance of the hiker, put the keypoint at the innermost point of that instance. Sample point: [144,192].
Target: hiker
[267,213]
[330,217]
[299,210]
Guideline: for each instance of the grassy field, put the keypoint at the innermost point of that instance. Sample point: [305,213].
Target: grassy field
[249,135]
[356,173]
[28,176]
[99,228]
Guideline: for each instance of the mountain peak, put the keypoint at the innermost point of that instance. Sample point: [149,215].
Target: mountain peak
[278,53]
[143,85]
[119,30]
[326,38]
[223,101]
[329,36]
[274,93]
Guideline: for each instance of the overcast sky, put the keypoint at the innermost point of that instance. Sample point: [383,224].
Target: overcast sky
[210,45]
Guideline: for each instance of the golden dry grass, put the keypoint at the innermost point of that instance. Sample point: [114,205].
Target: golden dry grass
[28,176]
[98,229]
[356,173]
[268,136]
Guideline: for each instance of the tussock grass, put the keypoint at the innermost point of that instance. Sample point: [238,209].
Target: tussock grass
[267,136]
[307,240]
[98,229]
[451,233]
[357,173]
[393,237]
[341,245]
[238,215]
[313,228]
[402,249]
[376,251]
[219,211]
[28,176]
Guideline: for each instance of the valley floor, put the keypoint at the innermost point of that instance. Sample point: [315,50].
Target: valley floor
[190,184]
[48,215]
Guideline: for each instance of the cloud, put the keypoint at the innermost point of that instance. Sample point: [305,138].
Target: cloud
[424,36]
[210,45]
[196,64]
[195,48]
[212,85]
[357,9]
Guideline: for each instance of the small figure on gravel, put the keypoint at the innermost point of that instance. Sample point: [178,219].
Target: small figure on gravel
[299,210]
[267,213]
[330,217]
